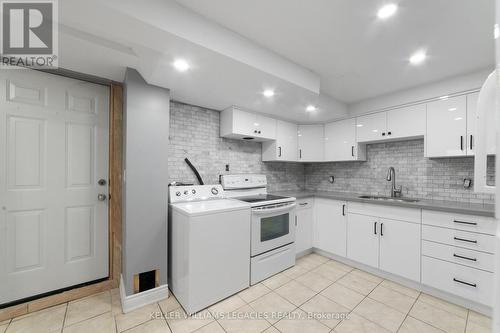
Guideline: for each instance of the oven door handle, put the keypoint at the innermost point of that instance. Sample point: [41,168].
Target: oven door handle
[279,209]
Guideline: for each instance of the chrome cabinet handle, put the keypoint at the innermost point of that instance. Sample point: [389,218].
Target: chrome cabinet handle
[462,257]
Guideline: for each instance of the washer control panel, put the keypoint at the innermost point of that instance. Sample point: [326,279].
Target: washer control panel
[195,193]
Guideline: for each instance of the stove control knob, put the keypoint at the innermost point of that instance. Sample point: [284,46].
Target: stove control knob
[215,191]
[186,192]
[178,194]
[193,191]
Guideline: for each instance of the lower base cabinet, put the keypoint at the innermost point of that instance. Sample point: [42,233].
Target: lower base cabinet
[304,225]
[363,239]
[330,226]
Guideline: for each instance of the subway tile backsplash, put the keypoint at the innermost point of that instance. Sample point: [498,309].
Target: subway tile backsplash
[194,133]
[420,177]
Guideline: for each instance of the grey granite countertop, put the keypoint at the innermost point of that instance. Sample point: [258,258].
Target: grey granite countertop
[445,206]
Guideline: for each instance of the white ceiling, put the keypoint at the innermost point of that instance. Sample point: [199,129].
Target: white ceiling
[356,55]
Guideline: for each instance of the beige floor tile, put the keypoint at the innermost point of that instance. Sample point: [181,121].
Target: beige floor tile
[314,281]
[392,298]
[343,295]
[326,311]
[276,281]
[213,327]
[317,257]
[367,276]
[295,292]
[299,322]
[437,317]
[295,272]
[88,307]
[104,323]
[400,288]
[475,328]
[169,304]
[380,314]
[443,305]
[3,327]
[4,322]
[254,292]
[479,319]
[179,322]
[245,319]
[412,325]
[271,329]
[229,304]
[273,306]
[47,320]
[153,326]
[357,283]
[338,265]
[125,321]
[329,272]
[308,263]
[358,324]
[116,303]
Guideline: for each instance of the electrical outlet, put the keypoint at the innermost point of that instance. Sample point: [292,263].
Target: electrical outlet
[227,167]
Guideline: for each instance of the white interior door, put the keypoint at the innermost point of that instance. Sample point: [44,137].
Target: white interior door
[53,151]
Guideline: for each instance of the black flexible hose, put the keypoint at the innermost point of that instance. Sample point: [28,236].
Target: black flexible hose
[196,173]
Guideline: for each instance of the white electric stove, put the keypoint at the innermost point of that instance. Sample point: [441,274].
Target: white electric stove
[272,226]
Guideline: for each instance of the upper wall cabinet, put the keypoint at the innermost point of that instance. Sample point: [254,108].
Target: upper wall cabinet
[407,122]
[239,124]
[447,127]
[371,127]
[340,142]
[285,146]
[310,143]
[402,123]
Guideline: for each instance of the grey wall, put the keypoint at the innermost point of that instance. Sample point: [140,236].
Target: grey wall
[439,179]
[146,127]
[194,133]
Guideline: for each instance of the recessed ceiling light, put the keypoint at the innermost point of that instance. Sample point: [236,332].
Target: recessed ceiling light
[418,58]
[268,93]
[452,109]
[387,11]
[181,65]
[310,108]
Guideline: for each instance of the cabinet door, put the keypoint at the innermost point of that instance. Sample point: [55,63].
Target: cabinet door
[371,127]
[286,141]
[265,127]
[446,127]
[340,140]
[406,122]
[363,239]
[471,127]
[304,229]
[244,122]
[400,248]
[330,226]
[310,142]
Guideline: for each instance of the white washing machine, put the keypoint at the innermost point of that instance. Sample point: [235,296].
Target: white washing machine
[209,245]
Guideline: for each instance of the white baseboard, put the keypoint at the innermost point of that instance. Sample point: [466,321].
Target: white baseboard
[138,300]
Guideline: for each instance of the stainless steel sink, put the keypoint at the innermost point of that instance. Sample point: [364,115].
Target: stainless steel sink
[374,197]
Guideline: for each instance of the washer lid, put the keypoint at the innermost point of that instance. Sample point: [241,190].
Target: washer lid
[209,206]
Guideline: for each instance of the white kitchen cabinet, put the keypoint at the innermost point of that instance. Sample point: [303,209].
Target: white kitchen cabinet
[447,127]
[400,248]
[238,124]
[471,127]
[310,143]
[304,225]
[363,239]
[285,146]
[340,142]
[371,127]
[407,122]
[330,226]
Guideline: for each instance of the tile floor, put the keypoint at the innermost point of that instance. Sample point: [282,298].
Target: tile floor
[317,294]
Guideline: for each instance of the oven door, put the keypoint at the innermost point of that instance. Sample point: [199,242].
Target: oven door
[272,227]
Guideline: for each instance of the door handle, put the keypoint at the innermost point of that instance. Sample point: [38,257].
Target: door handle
[470,142]
[295,220]
[375,228]
[466,283]
[101,182]
[101,197]
[381,229]
[461,142]
[300,153]
[462,257]
[463,222]
[352,151]
[465,240]
[279,154]
[343,210]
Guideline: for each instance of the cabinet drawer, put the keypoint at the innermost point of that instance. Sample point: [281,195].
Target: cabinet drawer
[469,240]
[486,225]
[392,213]
[466,282]
[304,203]
[471,258]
